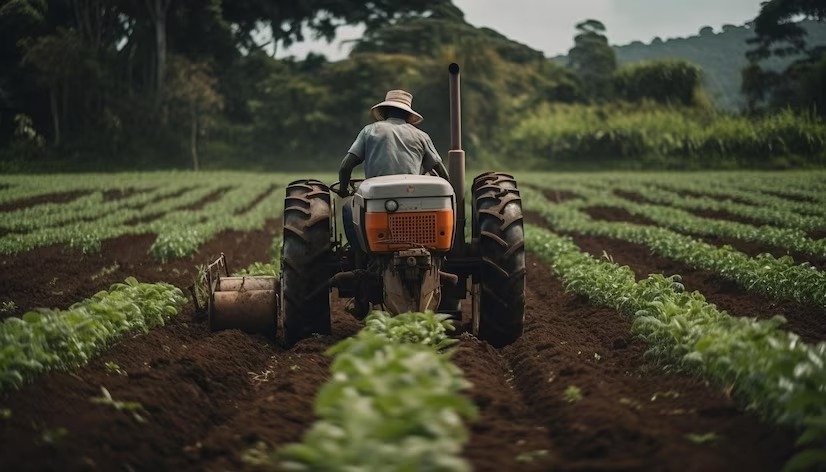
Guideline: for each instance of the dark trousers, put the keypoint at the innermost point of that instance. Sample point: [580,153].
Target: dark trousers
[347,221]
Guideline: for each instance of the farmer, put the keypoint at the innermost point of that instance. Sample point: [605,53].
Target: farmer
[392,145]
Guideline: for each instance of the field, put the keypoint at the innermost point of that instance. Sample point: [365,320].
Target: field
[653,334]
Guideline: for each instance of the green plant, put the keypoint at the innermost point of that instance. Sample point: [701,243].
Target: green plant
[114,368]
[134,408]
[572,394]
[62,339]
[769,370]
[8,306]
[393,402]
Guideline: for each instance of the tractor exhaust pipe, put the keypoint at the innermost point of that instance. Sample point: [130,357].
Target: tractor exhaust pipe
[456,160]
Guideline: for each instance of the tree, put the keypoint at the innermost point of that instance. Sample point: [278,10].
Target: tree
[672,82]
[158,10]
[192,87]
[777,27]
[58,59]
[778,32]
[593,60]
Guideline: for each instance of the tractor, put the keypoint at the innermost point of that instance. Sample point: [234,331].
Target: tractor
[412,254]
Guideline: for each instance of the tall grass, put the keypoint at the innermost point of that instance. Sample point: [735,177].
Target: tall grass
[651,136]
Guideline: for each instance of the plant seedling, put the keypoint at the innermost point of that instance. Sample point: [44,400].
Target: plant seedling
[572,394]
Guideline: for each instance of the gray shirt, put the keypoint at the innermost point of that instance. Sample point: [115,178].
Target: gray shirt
[394,146]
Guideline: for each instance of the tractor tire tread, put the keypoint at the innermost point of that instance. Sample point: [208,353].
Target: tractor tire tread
[498,224]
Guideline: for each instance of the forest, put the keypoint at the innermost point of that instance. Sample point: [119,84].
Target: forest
[156,84]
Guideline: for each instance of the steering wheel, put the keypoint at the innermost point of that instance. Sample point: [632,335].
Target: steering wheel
[351,187]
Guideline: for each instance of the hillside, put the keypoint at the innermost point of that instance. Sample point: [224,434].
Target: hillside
[722,55]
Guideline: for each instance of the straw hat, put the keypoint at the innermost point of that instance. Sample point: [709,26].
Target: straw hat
[401,100]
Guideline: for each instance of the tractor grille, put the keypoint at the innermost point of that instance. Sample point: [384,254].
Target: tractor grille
[413,228]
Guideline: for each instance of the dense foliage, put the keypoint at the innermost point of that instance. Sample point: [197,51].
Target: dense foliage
[129,84]
[721,55]
[646,137]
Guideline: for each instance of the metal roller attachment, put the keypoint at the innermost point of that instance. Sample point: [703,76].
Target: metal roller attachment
[246,303]
[251,311]
[240,284]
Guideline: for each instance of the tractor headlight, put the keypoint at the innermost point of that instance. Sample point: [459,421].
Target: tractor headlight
[391,205]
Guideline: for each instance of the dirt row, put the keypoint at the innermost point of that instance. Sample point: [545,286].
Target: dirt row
[206,398]
[56,276]
[717,215]
[808,321]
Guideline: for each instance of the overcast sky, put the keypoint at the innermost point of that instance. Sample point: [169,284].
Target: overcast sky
[548,25]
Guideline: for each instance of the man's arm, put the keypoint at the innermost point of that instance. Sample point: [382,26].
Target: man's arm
[431,161]
[441,171]
[349,163]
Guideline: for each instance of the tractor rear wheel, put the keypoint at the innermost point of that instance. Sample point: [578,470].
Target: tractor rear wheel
[306,247]
[499,292]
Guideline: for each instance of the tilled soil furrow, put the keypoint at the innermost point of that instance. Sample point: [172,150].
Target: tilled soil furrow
[279,408]
[631,415]
[507,434]
[750,248]
[56,277]
[63,197]
[809,322]
[184,378]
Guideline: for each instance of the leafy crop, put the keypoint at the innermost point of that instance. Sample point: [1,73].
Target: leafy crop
[775,278]
[771,371]
[393,402]
[63,339]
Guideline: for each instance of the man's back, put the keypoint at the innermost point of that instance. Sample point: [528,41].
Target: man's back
[394,146]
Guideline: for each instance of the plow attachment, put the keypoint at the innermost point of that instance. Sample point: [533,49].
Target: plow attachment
[248,303]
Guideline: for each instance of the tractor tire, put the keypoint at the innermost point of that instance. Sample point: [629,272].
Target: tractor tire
[499,294]
[306,248]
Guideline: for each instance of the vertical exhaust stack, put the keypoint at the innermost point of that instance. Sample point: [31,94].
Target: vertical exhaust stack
[456,159]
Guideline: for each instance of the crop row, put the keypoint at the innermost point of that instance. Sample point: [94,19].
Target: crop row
[739,191]
[751,192]
[769,370]
[180,230]
[181,233]
[776,216]
[61,339]
[393,402]
[686,222]
[21,187]
[87,235]
[766,275]
[87,213]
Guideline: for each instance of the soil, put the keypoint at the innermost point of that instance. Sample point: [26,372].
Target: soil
[208,397]
[258,199]
[717,214]
[809,322]
[120,194]
[63,197]
[747,247]
[56,277]
[616,214]
[209,198]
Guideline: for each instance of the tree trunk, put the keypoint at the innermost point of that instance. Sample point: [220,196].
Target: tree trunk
[193,139]
[160,44]
[64,112]
[158,12]
[55,115]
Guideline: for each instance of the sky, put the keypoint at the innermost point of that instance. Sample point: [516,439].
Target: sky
[548,25]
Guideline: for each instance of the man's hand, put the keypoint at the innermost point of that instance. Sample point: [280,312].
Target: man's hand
[345,171]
